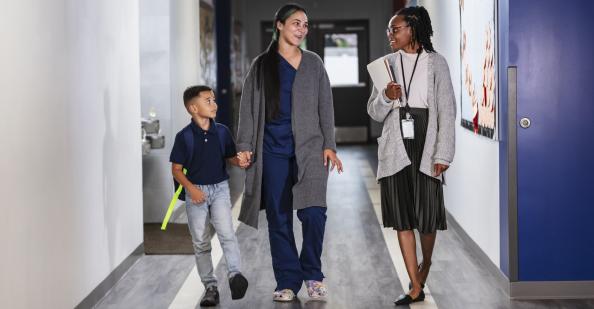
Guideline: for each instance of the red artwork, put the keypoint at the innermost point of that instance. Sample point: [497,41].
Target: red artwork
[481,96]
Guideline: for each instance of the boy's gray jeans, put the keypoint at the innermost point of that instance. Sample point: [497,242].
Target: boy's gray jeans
[204,219]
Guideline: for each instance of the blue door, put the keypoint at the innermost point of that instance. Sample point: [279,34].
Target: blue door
[551,44]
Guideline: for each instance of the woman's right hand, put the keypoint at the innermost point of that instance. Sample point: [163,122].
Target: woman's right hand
[393,91]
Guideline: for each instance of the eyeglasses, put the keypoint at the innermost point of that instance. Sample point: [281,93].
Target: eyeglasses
[392,30]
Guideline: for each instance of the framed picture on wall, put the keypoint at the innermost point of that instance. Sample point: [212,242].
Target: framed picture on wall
[478,58]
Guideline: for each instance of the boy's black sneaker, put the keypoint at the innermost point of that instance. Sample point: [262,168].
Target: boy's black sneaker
[210,298]
[238,285]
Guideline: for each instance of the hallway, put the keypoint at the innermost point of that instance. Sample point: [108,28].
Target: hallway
[93,97]
[362,261]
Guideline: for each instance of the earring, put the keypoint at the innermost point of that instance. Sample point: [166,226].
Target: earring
[275,33]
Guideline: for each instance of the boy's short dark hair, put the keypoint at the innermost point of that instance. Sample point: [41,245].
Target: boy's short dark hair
[194,91]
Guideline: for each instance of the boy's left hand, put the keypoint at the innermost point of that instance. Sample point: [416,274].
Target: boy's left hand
[244,159]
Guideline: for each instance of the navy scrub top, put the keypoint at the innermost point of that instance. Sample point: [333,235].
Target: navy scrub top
[278,133]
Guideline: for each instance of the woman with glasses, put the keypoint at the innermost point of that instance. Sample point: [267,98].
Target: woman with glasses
[286,128]
[418,112]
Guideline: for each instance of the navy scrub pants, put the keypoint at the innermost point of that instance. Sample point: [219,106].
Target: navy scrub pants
[291,269]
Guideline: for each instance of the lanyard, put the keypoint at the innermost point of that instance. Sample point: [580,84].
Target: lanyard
[407,90]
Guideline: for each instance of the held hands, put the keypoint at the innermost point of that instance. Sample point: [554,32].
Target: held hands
[438,169]
[245,159]
[393,91]
[196,195]
[330,155]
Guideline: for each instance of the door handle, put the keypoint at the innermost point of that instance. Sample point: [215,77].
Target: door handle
[525,123]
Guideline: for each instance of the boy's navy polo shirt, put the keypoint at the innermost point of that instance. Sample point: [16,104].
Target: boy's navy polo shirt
[211,148]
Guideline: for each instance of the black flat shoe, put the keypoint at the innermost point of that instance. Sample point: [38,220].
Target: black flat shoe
[406,299]
[238,285]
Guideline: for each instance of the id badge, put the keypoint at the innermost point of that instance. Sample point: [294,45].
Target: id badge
[408,128]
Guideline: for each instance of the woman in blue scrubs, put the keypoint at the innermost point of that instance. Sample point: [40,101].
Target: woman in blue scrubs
[287,120]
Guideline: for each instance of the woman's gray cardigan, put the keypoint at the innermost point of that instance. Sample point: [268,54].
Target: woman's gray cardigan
[312,120]
[440,139]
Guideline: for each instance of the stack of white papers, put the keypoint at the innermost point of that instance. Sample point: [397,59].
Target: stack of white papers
[379,73]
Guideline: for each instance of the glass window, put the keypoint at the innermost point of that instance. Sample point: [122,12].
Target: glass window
[341,58]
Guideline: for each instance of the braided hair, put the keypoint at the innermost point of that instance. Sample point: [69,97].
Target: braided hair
[267,64]
[418,19]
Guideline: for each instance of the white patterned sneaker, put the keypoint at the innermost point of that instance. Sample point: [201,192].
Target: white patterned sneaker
[285,295]
[316,289]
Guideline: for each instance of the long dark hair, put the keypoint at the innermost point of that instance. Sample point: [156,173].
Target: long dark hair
[267,64]
[418,19]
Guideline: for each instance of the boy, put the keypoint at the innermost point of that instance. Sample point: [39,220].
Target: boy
[208,202]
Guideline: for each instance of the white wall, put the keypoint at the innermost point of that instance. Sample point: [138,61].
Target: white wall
[70,159]
[472,191]
[155,92]
[185,51]
[169,49]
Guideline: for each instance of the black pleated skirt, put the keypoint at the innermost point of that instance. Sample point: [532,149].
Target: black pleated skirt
[411,199]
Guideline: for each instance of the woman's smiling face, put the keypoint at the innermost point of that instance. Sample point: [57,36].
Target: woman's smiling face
[399,33]
[294,29]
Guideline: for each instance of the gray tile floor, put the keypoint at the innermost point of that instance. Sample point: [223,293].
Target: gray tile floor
[152,282]
[356,262]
